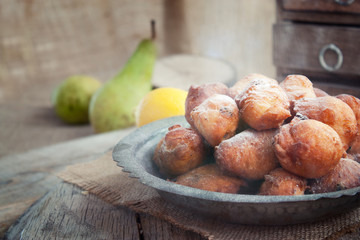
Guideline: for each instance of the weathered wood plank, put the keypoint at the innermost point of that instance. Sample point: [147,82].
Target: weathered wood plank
[67,212]
[26,177]
[154,229]
[321,6]
[297,46]
[29,126]
[311,12]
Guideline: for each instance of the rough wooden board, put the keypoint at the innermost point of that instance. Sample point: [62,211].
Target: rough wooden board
[154,229]
[28,126]
[301,14]
[298,46]
[67,212]
[321,6]
[26,177]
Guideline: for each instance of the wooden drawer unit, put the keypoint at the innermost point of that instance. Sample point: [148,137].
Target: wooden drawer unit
[321,11]
[318,38]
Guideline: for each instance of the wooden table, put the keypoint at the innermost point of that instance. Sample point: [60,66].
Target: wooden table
[61,210]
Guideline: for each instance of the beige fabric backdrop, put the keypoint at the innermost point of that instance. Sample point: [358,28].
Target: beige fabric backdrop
[42,42]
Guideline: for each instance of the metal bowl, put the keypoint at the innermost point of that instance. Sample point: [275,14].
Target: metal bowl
[134,153]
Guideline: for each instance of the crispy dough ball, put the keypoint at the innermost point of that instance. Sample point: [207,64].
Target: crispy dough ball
[216,118]
[198,94]
[354,104]
[345,175]
[181,150]
[308,148]
[281,182]
[354,151]
[297,87]
[331,111]
[211,178]
[320,93]
[263,104]
[249,154]
[353,157]
[240,85]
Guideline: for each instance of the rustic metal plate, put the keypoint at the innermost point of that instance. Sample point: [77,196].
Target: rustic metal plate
[134,153]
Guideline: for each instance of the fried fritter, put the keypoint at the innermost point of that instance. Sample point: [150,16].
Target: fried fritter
[198,94]
[320,93]
[308,148]
[263,104]
[345,175]
[331,111]
[240,85]
[249,154]
[216,118]
[354,150]
[297,87]
[211,178]
[354,104]
[281,182]
[181,150]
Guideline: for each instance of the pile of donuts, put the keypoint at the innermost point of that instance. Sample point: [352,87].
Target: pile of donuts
[264,137]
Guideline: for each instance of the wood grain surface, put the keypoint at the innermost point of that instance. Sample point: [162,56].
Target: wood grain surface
[318,12]
[27,126]
[321,6]
[67,212]
[26,177]
[298,46]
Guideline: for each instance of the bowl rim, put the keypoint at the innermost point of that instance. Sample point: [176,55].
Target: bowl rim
[124,152]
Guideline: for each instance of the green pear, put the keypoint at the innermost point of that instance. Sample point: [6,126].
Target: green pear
[113,105]
[71,98]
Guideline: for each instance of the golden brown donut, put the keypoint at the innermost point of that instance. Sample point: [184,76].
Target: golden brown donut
[331,111]
[263,104]
[308,148]
[249,154]
[297,87]
[281,182]
[320,93]
[240,85]
[216,118]
[345,175]
[198,94]
[181,150]
[354,104]
[354,150]
[211,178]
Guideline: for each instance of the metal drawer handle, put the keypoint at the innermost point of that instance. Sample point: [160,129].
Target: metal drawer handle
[344,2]
[339,54]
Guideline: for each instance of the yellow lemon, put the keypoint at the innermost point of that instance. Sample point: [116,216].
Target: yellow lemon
[160,103]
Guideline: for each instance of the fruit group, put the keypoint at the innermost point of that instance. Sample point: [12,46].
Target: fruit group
[113,106]
[160,103]
[72,97]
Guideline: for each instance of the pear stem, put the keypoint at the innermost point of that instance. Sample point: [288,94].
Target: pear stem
[153,31]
